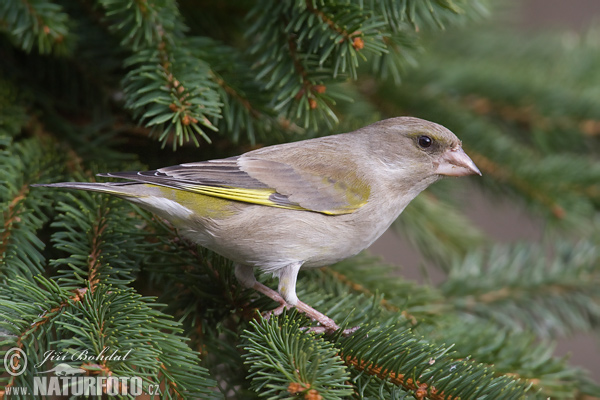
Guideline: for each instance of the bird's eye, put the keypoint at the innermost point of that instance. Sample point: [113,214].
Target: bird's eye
[424,141]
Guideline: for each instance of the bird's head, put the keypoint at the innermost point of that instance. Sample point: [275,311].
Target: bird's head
[418,152]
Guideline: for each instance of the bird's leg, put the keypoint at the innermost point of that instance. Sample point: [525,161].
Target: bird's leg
[287,288]
[245,275]
[287,282]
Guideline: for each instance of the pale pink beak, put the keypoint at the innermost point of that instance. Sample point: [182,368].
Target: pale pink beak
[455,162]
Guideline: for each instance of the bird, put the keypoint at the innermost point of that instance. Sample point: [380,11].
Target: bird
[304,204]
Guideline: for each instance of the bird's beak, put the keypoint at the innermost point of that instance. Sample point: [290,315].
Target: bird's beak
[455,162]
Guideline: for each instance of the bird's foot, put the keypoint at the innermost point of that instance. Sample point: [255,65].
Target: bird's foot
[276,311]
[328,325]
[321,329]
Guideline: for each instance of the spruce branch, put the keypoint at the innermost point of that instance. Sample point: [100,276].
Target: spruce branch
[85,320]
[556,186]
[215,291]
[438,230]
[402,49]
[10,216]
[428,13]
[167,88]
[471,87]
[245,104]
[144,24]
[284,362]
[23,211]
[36,23]
[559,84]
[300,46]
[353,30]
[528,116]
[367,275]
[170,90]
[521,287]
[101,238]
[428,371]
[203,294]
[13,114]
[27,316]
[517,354]
[513,178]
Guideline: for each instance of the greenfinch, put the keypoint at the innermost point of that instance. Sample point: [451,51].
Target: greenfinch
[297,205]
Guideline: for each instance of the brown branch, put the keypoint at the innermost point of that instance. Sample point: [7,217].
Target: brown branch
[531,118]
[182,106]
[298,388]
[494,296]
[528,116]
[524,115]
[306,83]
[422,390]
[590,127]
[41,23]
[77,297]
[169,382]
[236,95]
[490,167]
[11,216]
[308,88]
[357,42]
[94,263]
[357,287]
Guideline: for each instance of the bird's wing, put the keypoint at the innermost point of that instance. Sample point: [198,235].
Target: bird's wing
[258,181]
[328,189]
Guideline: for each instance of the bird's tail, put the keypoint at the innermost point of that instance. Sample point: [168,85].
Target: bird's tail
[122,189]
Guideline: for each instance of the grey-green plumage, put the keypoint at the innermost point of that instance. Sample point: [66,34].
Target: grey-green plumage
[303,204]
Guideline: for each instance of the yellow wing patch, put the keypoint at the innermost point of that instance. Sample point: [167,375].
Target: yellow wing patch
[254,196]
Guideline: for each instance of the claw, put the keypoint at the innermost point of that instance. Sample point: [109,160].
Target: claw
[323,329]
[276,311]
[327,324]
